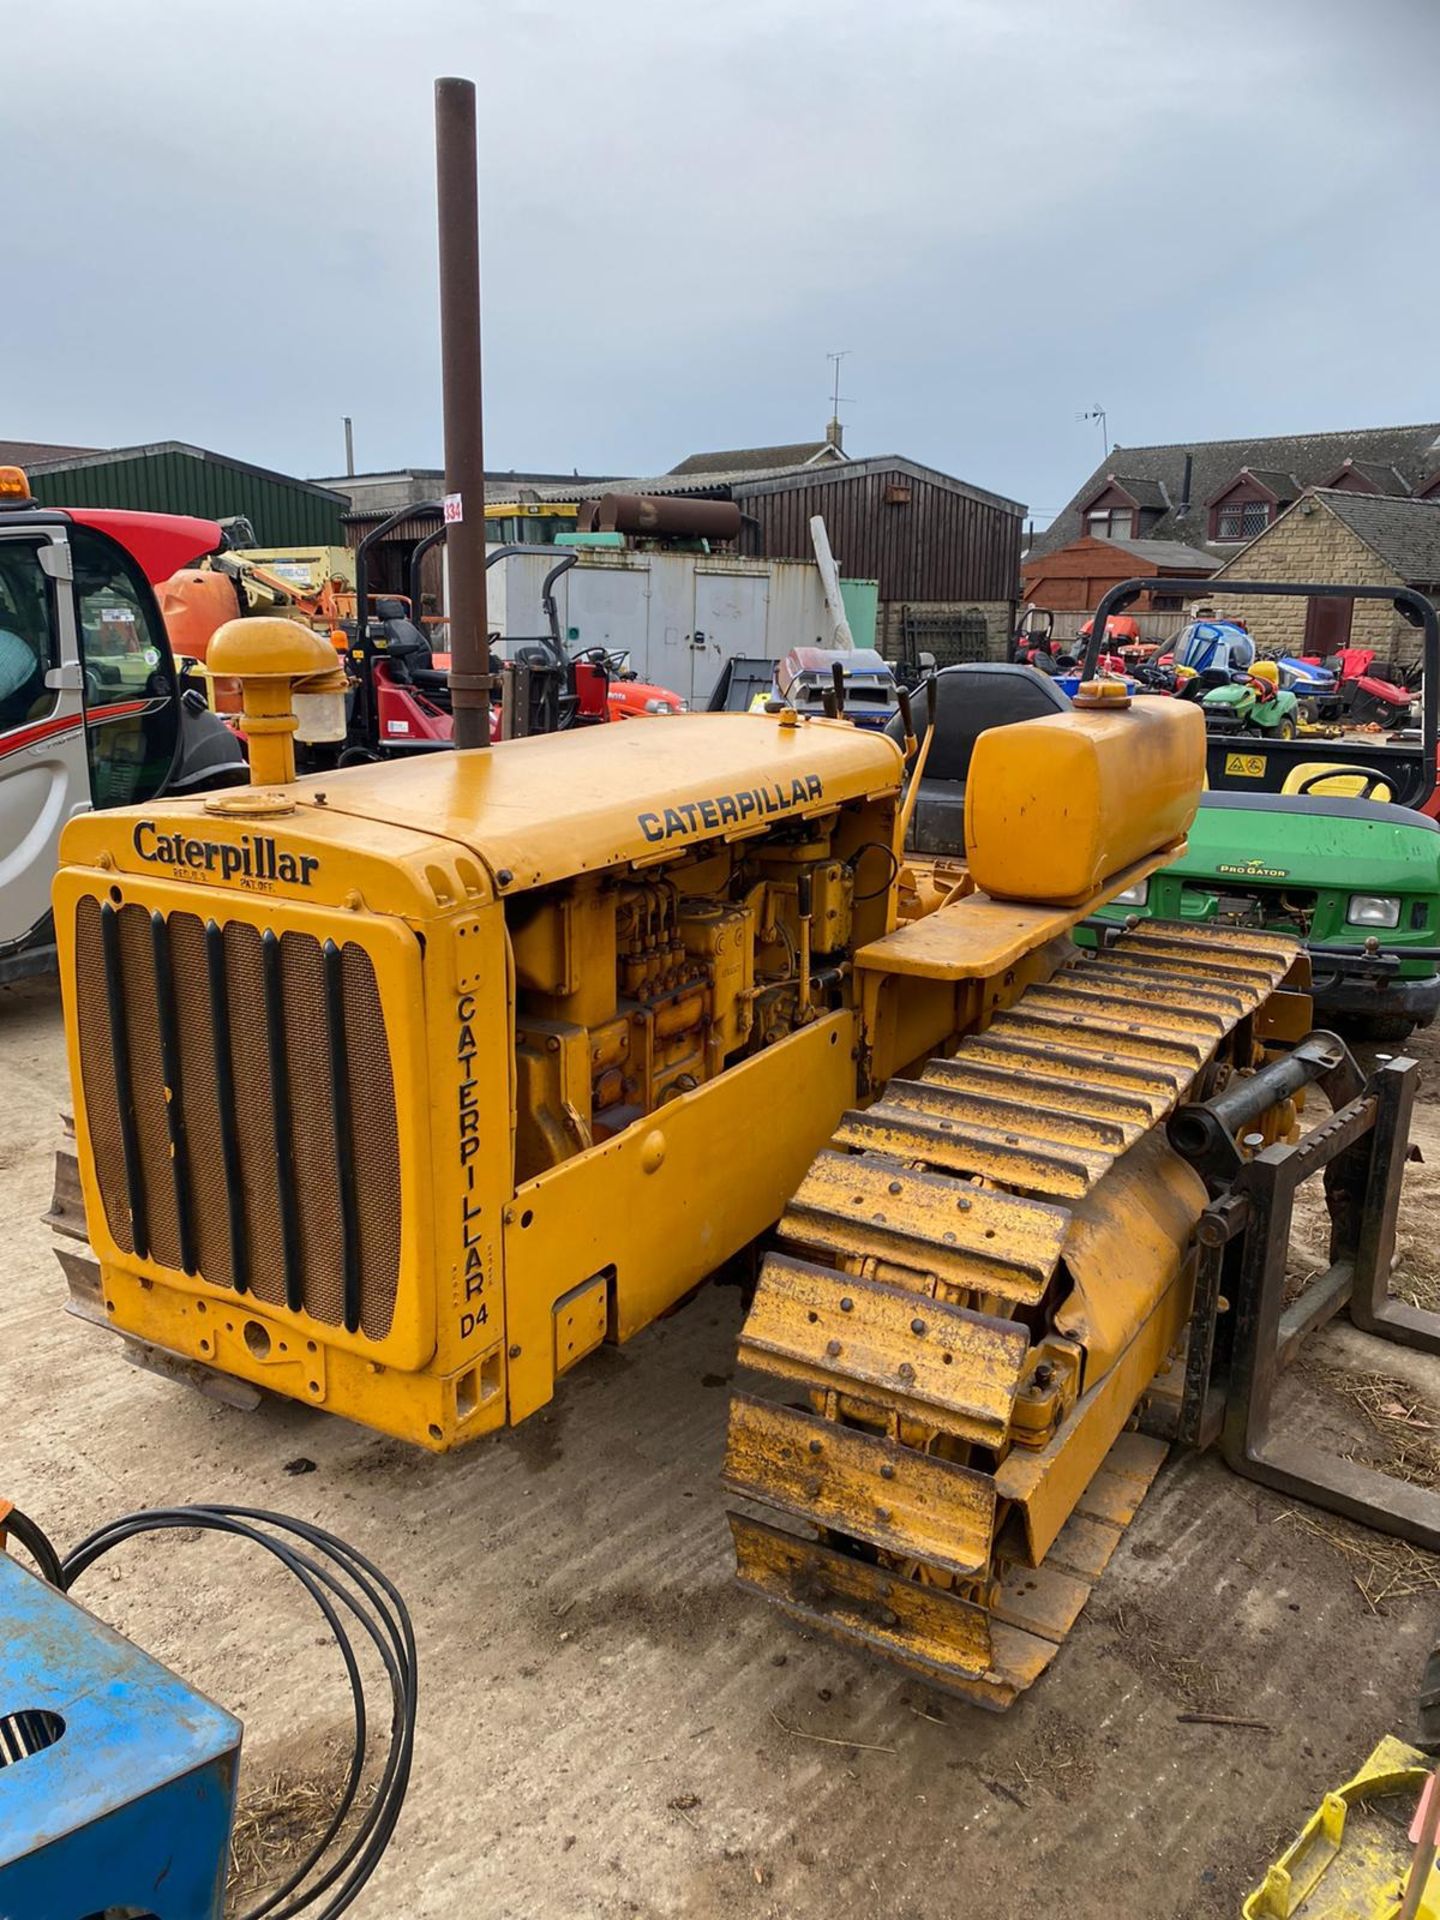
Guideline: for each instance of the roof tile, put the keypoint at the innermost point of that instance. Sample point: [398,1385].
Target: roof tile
[1411,451]
[756,459]
[34,453]
[1405,533]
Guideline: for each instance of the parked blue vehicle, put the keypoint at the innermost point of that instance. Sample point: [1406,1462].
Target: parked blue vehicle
[859,683]
[1316,689]
[1303,677]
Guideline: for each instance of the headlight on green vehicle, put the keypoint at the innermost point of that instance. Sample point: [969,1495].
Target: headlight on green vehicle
[1137,895]
[1373,910]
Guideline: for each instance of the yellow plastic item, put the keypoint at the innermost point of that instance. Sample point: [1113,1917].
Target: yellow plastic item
[1266,670]
[1341,782]
[1108,695]
[1054,807]
[1350,1859]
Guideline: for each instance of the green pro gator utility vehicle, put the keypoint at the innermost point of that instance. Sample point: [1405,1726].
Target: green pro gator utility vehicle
[1342,851]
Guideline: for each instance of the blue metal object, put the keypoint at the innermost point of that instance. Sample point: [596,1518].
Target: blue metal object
[1214,643]
[806,677]
[1301,677]
[117,1781]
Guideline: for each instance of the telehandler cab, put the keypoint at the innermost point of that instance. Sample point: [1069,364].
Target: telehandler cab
[92,712]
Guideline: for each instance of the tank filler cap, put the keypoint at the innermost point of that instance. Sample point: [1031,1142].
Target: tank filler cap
[250,803]
[1112,695]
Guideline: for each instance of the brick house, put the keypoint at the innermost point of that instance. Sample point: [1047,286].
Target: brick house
[1363,539]
[1218,494]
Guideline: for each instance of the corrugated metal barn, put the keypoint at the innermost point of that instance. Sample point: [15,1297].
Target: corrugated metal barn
[171,477]
[922,535]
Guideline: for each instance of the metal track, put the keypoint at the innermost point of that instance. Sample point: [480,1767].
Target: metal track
[960,1457]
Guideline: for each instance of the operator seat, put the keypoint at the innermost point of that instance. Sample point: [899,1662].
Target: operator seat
[969,700]
[408,648]
[1333,780]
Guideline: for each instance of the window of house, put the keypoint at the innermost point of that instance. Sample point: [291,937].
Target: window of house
[1116,524]
[1242,520]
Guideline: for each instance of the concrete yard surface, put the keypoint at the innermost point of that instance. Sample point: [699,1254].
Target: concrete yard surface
[609,1727]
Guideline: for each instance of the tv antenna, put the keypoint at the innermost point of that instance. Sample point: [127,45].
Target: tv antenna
[1097,412]
[836,396]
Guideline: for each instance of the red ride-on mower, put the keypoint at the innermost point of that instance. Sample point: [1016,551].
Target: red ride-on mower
[1363,695]
[1121,632]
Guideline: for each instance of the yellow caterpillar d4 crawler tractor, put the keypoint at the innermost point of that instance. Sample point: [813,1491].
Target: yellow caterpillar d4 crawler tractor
[398,1090]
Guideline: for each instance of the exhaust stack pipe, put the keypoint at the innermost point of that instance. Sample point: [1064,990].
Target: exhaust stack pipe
[459,215]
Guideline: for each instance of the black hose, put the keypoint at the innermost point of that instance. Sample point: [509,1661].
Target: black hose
[36,1543]
[890,878]
[340,1580]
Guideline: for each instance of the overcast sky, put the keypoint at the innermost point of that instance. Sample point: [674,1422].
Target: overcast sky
[1212,220]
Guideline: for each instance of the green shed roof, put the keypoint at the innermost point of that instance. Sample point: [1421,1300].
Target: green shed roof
[173,477]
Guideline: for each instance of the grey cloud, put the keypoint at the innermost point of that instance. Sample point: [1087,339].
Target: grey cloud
[1212,220]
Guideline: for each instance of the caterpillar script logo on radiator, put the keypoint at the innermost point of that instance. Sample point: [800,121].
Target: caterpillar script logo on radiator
[730,809]
[254,856]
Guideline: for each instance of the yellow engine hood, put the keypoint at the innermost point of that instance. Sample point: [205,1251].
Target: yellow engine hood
[541,809]
[518,815]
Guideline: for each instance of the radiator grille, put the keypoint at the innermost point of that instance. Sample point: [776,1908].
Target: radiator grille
[241,1106]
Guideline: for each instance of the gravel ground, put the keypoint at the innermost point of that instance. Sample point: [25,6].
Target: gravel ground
[609,1727]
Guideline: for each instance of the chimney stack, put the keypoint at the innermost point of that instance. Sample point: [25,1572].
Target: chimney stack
[1185,483]
[834,435]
